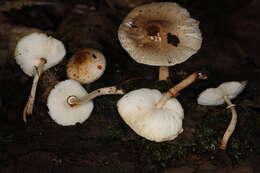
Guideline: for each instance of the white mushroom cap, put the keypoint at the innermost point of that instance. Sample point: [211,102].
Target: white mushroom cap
[60,111]
[138,110]
[160,34]
[86,66]
[215,96]
[34,46]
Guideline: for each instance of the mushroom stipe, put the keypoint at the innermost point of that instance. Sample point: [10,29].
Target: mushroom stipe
[28,109]
[73,100]
[173,92]
[232,125]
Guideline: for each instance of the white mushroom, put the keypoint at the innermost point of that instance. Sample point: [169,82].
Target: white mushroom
[217,96]
[152,115]
[63,113]
[35,53]
[86,66]
[160,34]
[69,103]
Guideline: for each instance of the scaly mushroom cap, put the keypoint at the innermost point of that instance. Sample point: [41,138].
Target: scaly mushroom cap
[215,96]
[160,34]
[86,66]
[138,110]
[31,48]
[60,111]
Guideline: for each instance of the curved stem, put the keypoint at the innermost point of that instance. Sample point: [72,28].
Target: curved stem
[173,92]
[73,100]
[231,126]
[28,109]
[163,73]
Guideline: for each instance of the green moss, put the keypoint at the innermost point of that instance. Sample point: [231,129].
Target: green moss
[157,156]
[114,166]
[107,105]
[211,129]
[115,129]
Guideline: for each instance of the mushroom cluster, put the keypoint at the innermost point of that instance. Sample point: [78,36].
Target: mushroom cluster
[160,34]
[69,103]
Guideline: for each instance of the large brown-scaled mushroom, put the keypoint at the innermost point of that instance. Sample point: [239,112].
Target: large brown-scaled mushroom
[160,34]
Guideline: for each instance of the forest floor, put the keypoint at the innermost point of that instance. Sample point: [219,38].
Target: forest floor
[104,143]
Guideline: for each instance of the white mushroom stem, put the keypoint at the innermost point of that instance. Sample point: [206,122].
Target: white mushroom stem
[173,92]
[231,126]
[28,109]
[73,100]
[164,73]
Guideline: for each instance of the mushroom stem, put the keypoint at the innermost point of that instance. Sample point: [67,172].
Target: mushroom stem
[73,100]
[163,73]
[28,109]
[231,126]
[174,91]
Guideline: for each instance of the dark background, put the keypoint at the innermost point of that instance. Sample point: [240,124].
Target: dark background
[104,143]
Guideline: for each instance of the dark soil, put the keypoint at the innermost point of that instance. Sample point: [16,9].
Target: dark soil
[104,143]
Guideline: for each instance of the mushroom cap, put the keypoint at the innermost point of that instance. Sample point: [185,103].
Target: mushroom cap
[86,66]
[60,111]
[34,46]
[138,110]
[215,96]
[160,34]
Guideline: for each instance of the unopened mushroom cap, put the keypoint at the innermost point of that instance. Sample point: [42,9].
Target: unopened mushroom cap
[86,66]
[138,110]
[60,111]
[160,34]
[215,96]
[31,48]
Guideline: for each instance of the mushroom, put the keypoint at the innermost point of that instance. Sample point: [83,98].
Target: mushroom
[152,115]
[69,103]
[217,96]
[36,53]
[86,66]
[160,34]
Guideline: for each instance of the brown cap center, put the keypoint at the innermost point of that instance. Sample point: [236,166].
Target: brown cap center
[152,30]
